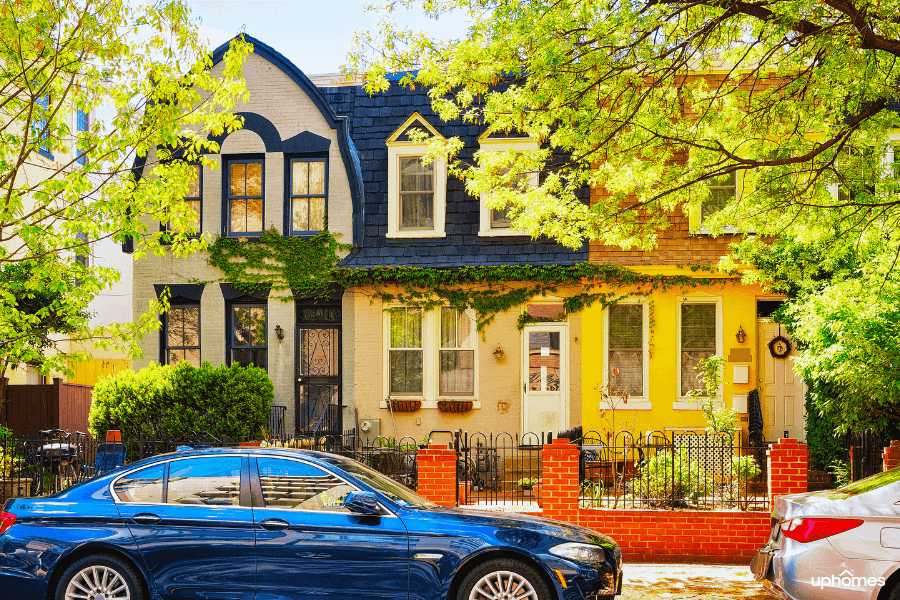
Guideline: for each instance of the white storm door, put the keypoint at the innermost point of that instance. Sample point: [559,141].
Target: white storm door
[783,391]
[545,403]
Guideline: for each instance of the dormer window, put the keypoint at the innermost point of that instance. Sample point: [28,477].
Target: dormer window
[497,221]
[417,192]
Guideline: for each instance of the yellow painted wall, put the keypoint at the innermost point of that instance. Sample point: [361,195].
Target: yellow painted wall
[738,310]
[88,372]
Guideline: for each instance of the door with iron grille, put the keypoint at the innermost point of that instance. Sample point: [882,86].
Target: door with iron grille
[318,387]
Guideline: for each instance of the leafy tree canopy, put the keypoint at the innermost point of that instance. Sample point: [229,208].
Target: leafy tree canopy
[142,75]
[655,100]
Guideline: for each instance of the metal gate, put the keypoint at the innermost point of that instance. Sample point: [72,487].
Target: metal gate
[318,358]
[498,469]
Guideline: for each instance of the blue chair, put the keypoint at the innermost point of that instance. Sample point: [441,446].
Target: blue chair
[109,456]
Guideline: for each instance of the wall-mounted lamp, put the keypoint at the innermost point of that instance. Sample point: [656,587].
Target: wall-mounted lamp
[498,353]
[279,332]
[741,335]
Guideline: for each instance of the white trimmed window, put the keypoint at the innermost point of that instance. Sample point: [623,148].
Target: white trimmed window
[626,349]
[417,192]
[430,355]
[494,221]
[699,336]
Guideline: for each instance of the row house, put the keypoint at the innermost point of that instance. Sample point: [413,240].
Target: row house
[319,153]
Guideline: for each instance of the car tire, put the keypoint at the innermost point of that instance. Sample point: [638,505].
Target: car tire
[496,580]
[110,576]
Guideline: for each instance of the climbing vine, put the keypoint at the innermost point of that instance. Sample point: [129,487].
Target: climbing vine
[307,267]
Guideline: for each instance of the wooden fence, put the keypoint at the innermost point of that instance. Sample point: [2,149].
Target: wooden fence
[30,409]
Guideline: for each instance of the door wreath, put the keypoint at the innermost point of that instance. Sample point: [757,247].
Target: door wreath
[780,347]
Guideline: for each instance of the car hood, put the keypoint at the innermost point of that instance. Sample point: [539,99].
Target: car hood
[835,503]
[564,532]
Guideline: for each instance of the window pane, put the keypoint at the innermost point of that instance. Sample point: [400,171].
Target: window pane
[626,349]
[299,217]
[250,356]
[417,210]
[194,185]
[238,215]
[499,219]
[145,485]
[254,215]
[207,480]
[175,327]
[398,328]
[254,179]
[258,326]
[457,372]
[237,173]
[414,327]
[193,357]
[291,485]
[316,214]
[299,178]
[191,320]
[195,207]
[457,329]
[175,357]
[406,371]
[448,327]
[317,178]
[698,341]
[241,325]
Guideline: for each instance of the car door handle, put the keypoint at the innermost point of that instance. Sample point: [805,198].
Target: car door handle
[274,524]
[145,519]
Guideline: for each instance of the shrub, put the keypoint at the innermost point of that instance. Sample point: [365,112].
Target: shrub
[180,401]
[668,479]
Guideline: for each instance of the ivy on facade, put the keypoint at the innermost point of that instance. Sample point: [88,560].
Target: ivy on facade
[307,267]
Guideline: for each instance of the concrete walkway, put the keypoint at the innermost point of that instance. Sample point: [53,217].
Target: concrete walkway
[694,582]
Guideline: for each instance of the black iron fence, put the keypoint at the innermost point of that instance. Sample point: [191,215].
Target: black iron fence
[277,426]
[671,470]
[862,453]
[499,469]
[48,463]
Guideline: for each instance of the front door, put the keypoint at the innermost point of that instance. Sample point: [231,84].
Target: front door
[782,397]
[318,386]
[545,405]
[309,547]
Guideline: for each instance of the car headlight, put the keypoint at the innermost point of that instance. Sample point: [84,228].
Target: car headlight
[582,553]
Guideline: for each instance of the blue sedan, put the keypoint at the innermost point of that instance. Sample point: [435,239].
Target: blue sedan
[279,524]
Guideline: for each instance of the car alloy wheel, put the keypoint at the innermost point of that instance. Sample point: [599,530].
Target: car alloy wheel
[99,578]
[504,579]
[502,585]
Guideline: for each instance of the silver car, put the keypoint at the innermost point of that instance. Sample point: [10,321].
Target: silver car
[842,544]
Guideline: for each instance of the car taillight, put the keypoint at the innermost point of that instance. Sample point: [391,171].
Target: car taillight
[7,520]
[810,530]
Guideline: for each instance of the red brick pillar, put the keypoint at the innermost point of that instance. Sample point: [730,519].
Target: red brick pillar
[891,456]
[559,480]
[437,474]
[788,468]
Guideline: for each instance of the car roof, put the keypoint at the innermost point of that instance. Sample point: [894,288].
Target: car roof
[254,450]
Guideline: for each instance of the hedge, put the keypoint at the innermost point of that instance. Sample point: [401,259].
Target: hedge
[183,401]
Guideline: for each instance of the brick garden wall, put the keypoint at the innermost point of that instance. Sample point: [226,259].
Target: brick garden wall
[729,537]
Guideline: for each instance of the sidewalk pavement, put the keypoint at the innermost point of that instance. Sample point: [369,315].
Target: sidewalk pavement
[693,582]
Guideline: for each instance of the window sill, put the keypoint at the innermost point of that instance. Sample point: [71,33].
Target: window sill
[633,404]
[725,231]
[476,404]
[415,234]
[684,404]
[502,233]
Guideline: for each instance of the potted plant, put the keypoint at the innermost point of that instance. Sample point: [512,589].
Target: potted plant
[527,484]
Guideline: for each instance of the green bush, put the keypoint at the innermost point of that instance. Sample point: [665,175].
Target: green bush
[667,479]
[183,401]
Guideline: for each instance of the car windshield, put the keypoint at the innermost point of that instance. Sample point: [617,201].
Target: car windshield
[871,483]
[387,486]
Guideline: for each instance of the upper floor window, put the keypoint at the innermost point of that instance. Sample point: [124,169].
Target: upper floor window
[245,196]
[82,125]
[722,191]
[308,196]
[39,123]
[181,332]
[247,341]
[417,192]
[497,221]
[194,199]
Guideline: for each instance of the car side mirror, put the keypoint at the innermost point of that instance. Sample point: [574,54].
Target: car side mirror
[364,503]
